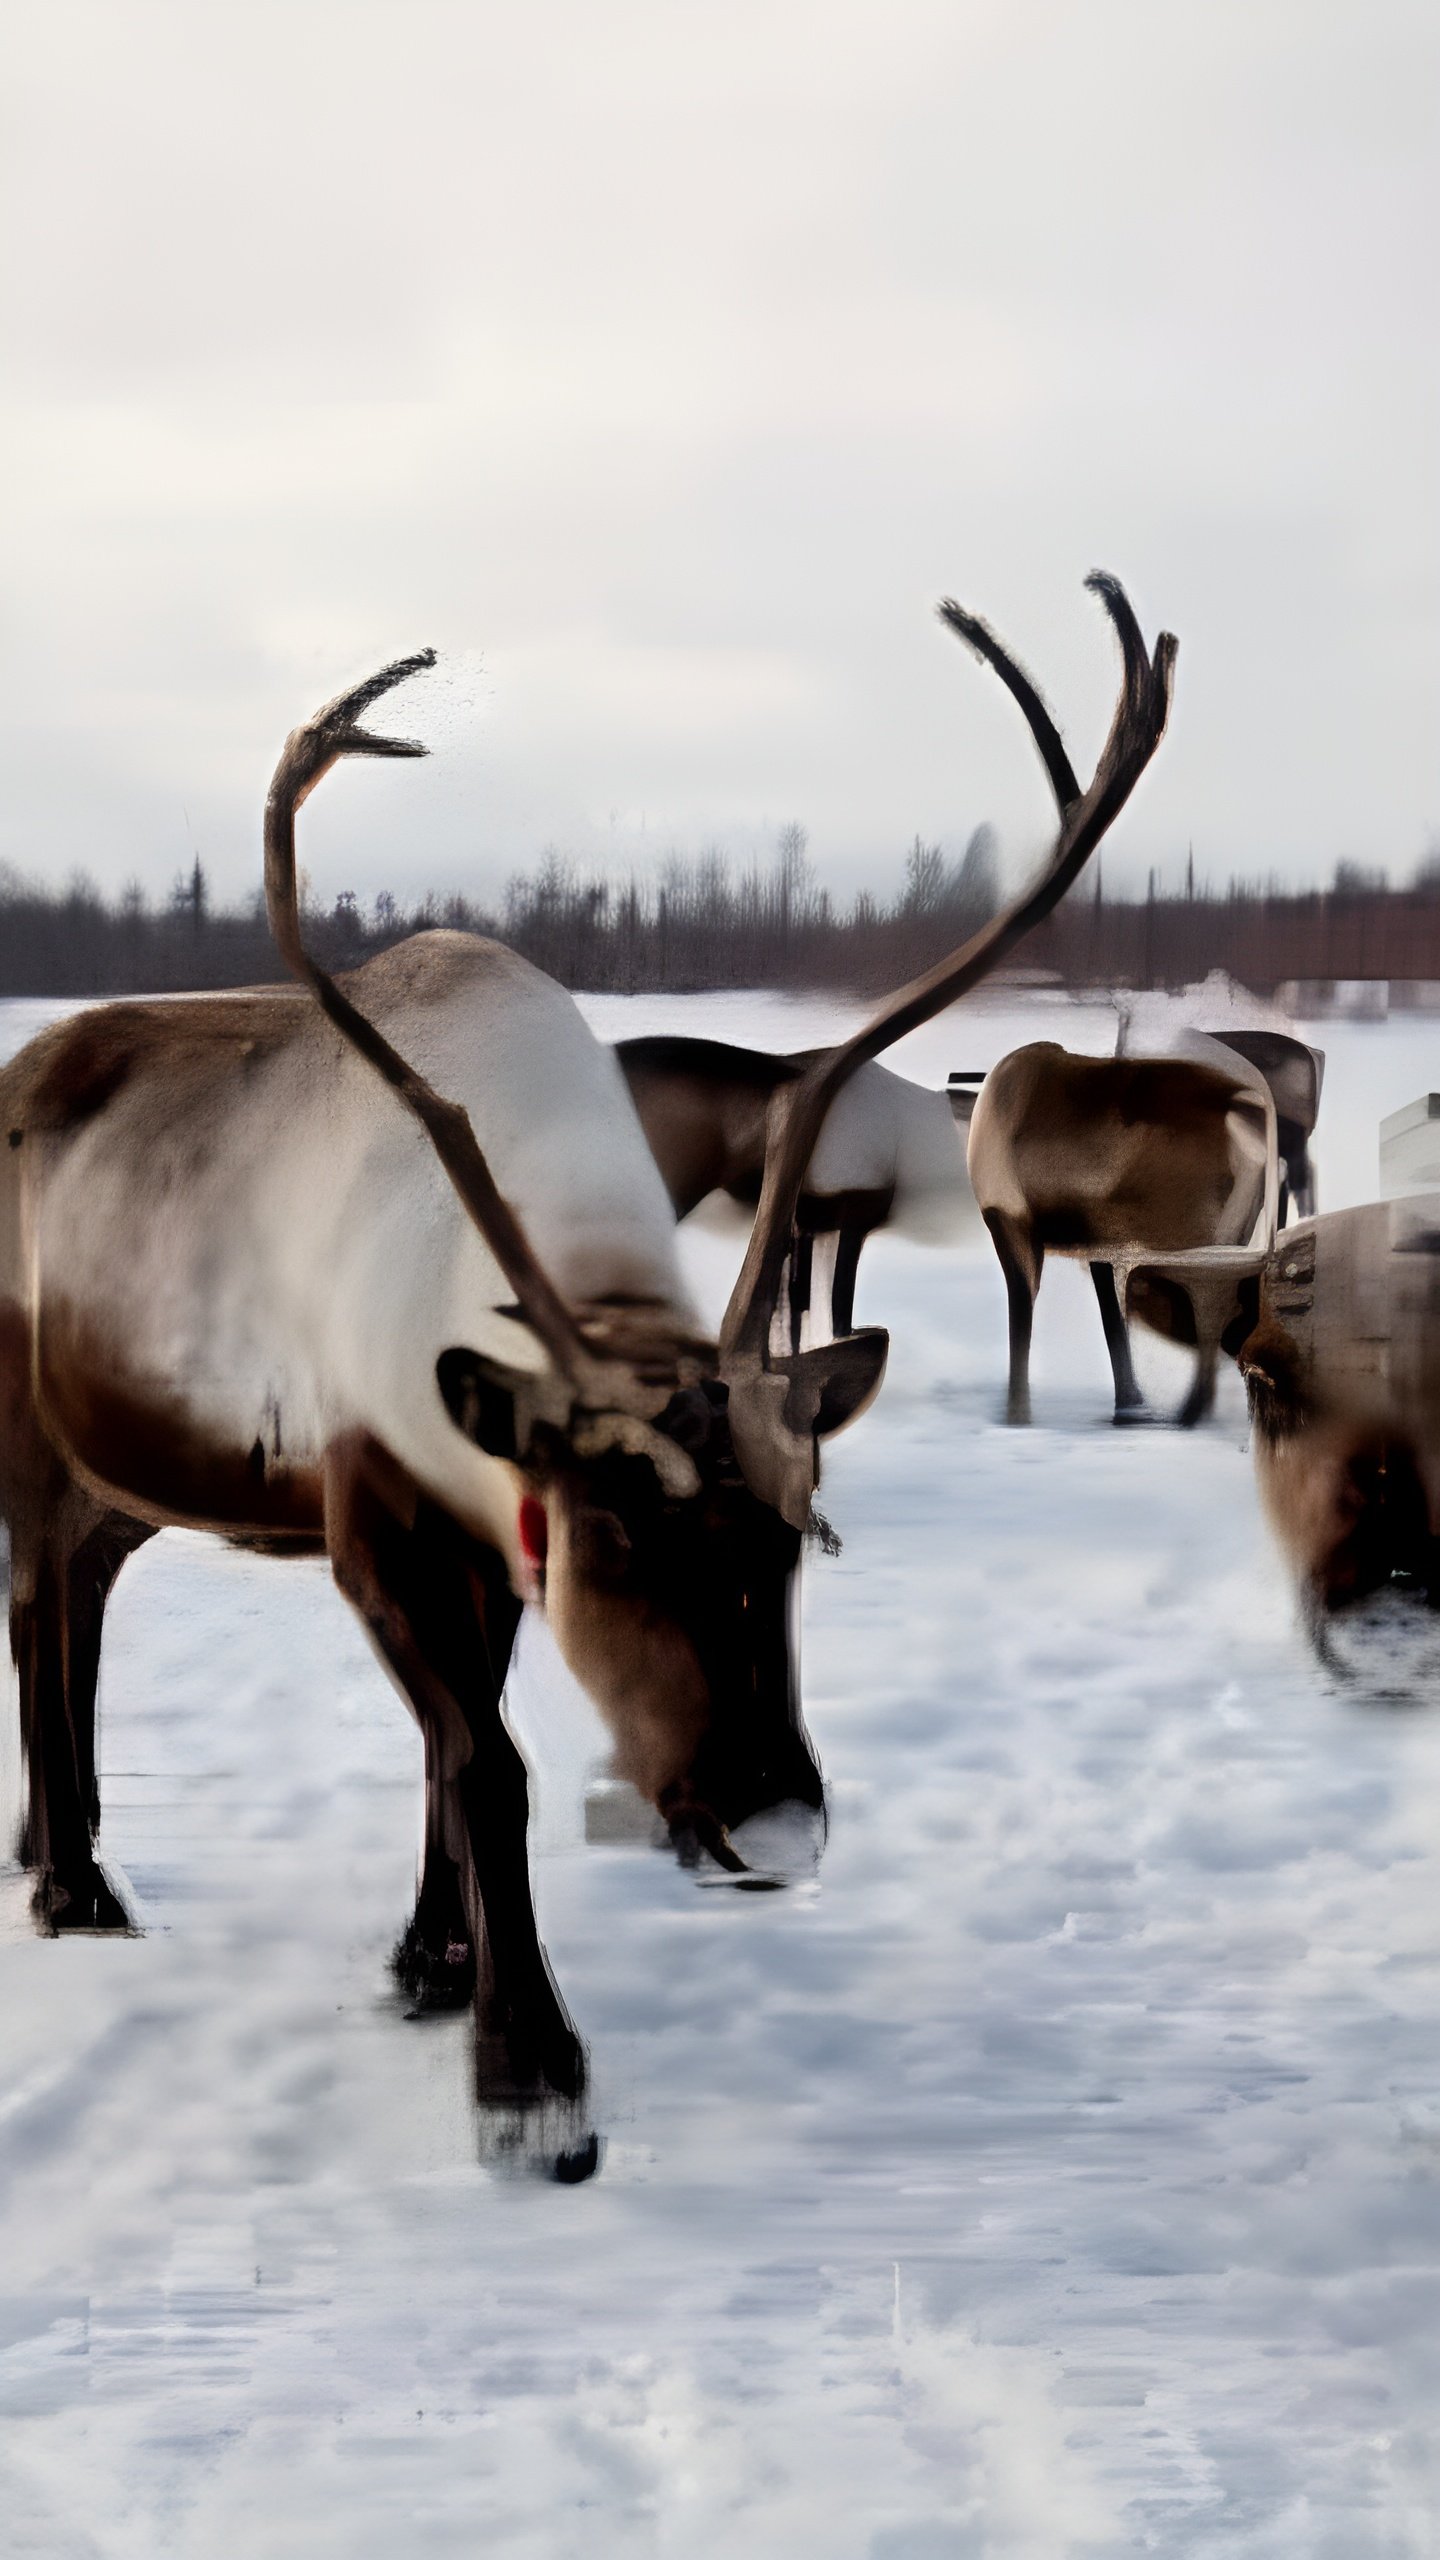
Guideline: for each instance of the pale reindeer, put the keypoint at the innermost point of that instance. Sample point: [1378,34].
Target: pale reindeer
[886,1157]
[236,1294]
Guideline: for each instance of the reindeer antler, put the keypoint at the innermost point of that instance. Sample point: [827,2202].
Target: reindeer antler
[774,1459]
[309,752]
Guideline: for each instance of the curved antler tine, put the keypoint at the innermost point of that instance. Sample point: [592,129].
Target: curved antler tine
[346,708]
[977,635]
[1162,665]
[309,753]
[1132,644]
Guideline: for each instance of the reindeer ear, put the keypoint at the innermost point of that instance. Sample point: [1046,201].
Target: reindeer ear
[780,1410]
[832,1384]
[480,1396]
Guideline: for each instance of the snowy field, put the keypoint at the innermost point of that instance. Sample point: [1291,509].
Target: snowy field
[1059,2176]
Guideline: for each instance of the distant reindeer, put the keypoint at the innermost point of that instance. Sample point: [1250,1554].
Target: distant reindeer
[1115,1160]
[886,1157]
[1293,1073]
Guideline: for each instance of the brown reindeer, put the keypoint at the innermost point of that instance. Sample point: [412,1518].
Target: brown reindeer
[1112,1159]
[1295,1074]
[1341,1357]
[240,1292]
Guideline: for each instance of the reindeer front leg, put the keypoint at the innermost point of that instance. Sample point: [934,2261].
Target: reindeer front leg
[1129,1396]
[1020,1260]
[439,1610]
[434,1958]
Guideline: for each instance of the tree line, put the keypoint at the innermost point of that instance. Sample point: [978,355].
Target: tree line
[698,925]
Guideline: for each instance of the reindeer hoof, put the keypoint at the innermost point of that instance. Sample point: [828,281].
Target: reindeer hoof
[531,2066]
[435,1972]
[533,2119]
[88,1901]
[1133,1417]
[547,2140]
[572,2168]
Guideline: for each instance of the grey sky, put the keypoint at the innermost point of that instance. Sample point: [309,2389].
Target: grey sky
[662,364]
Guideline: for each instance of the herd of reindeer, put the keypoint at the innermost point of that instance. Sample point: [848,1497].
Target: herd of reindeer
[385,1267]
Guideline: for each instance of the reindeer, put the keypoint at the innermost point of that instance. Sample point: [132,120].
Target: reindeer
[886,1157]
[1339,1346]
[1336,1332]
[237,1294]
[1293,1073]
[1116,1159]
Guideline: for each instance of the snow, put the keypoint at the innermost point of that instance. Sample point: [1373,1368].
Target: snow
[1058,2175]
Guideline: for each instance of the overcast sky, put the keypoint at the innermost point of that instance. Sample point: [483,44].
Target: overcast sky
[662,364]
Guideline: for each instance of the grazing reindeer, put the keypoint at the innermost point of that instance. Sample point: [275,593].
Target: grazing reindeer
[237,1294]
[1341,1358]
[1106,1157]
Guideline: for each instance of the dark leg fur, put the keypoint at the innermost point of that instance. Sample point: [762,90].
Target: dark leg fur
[434,1960]
[1128,1396]
[60,1585]
[1020,1260]
[847,1265]
[440,1610]
[1202,1392]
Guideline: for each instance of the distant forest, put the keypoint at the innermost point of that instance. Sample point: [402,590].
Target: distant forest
[696,926]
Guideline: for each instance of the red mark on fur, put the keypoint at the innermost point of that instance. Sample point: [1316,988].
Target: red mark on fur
[534,1531]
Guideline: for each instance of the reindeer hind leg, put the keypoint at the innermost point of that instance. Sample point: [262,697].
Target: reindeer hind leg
[60,1584]
[1201,1398]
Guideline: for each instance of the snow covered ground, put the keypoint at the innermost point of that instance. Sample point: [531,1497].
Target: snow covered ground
[1059,2176]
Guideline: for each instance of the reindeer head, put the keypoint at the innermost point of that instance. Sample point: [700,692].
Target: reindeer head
[1344,1389]
[667,1583]
[664,1483]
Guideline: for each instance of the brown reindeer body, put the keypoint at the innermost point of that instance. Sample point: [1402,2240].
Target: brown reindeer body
[1102,1157]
